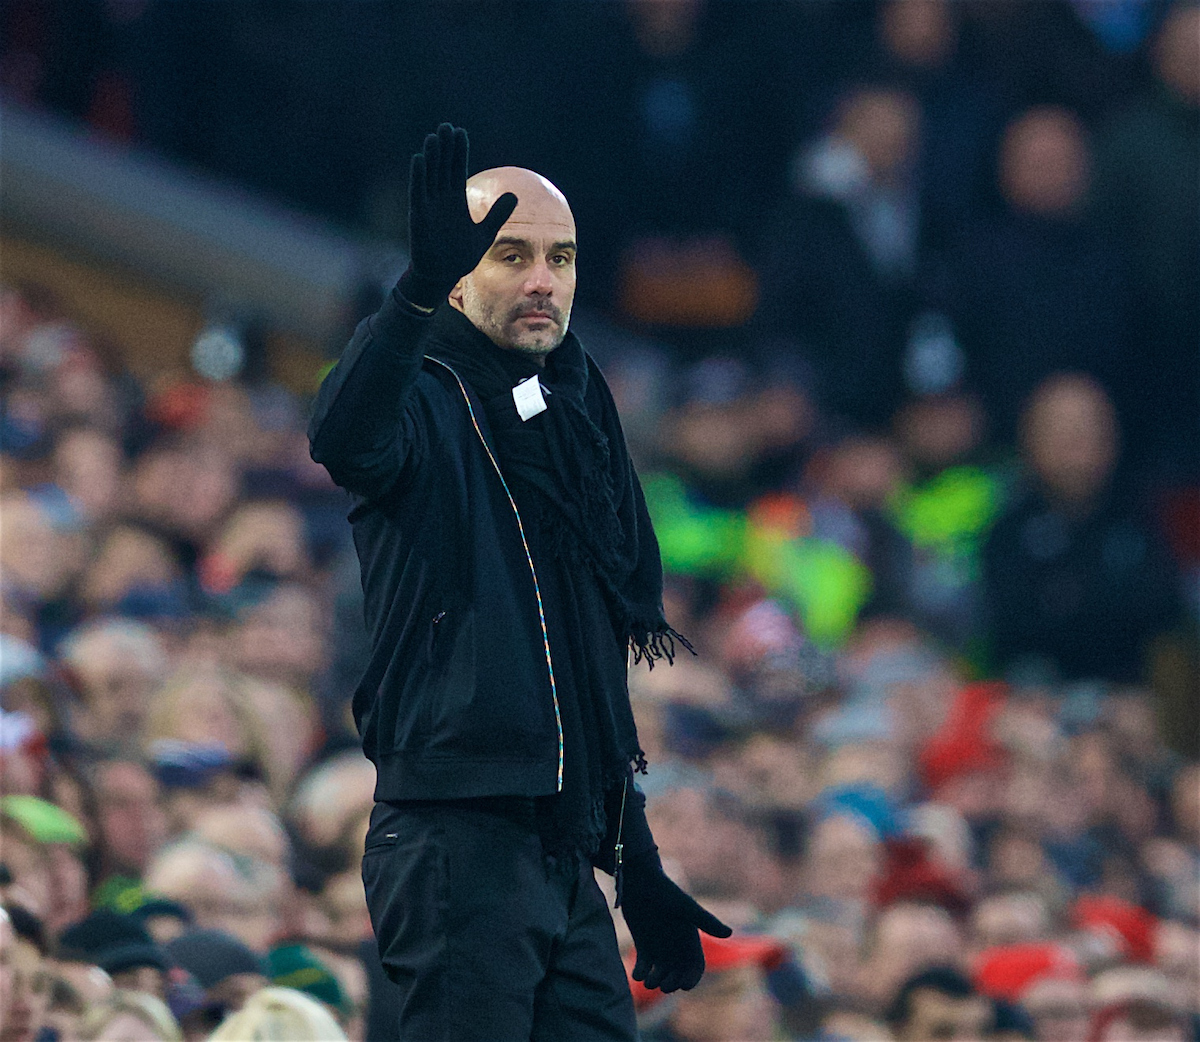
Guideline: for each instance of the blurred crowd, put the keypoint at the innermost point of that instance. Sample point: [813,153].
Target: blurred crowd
[900,313]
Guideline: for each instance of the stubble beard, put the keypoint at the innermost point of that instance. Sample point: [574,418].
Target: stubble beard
[502,328]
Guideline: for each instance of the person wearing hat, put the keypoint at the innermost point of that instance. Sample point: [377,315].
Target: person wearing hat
[227,970]
[122,947]
[40,847]
[510,570]
[296,966]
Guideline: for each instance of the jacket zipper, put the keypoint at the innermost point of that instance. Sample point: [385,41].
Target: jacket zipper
[537,590]
[619,850]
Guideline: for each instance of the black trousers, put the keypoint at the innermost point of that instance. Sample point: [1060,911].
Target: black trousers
[489,938]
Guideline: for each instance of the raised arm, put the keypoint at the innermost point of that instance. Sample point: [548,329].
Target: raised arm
[359,431]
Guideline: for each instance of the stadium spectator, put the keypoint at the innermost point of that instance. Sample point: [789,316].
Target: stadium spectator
[1150,206]
[841,258]
[1041,249]
[1078,585]
[940,1003]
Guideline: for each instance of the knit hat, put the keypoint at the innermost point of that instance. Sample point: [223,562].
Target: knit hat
[44,821]
[112,941]
[212,955]
[294,966]
[1007,972]
[1131,926]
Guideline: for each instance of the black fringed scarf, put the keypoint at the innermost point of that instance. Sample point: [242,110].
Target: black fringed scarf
[594,548]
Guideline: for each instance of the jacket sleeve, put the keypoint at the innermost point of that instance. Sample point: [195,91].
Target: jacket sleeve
[361,429]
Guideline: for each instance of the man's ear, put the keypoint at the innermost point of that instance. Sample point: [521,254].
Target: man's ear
[456,296]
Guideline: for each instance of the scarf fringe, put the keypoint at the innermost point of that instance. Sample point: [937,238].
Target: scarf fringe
[652,646]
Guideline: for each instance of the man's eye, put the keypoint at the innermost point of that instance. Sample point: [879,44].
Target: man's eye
[510,258]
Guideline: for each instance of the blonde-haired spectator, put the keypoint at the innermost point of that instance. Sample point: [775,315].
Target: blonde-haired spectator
[279,1015]
[129,1016]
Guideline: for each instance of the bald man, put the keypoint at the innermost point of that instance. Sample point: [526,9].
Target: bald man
[509,568]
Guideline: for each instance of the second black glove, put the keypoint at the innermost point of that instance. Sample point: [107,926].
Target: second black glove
[665,924]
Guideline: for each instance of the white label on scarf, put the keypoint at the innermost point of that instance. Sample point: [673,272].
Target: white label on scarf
[527,396]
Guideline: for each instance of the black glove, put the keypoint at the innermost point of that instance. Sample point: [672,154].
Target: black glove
[444,243]
[664,922]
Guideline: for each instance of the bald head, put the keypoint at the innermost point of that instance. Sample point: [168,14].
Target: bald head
[520,293]
[537,197]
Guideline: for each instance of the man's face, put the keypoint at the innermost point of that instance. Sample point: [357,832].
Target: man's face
[935,1016]
[24,988]
[520,294]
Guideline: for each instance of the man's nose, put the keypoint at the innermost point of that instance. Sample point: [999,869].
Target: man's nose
[538,280]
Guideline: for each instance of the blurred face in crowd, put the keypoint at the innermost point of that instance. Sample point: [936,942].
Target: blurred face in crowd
[131,819]
[908,939]
[68,887]
[1144,1022]
[291,726]
[28,864]
[521,292]
[862,472]
[1060,1009]
[1069,432]
[934,1016]
[283,638]
[706,843]
[942,430]
[918,32]
[268,537]
[201,707]
[1044,163]
[1016,859]
[883,126]
[36,554]
[237,894]
[188,488]
[1009,919]
[732,1003]
[1177,52]
[233,991]
[844,858]
[129,558]
[118,668]
[252,832]
[24,986]
[712,439]
[76,988]
[768,771]
[87,466]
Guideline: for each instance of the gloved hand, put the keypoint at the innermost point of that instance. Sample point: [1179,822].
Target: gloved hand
[444,243]
[664,922]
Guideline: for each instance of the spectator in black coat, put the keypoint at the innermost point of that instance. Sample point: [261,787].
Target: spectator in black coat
[1037,289]
[1078,584]
[839,265]
[1148,193]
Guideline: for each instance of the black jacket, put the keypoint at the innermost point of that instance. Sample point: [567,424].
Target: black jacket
[458,697]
